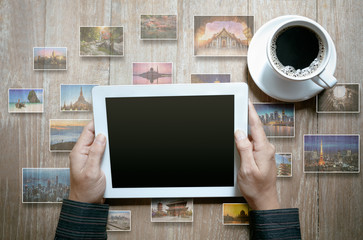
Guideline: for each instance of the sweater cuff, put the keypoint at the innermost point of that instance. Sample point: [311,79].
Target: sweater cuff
[80,220]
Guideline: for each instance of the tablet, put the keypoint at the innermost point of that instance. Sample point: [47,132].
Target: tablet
[172,140]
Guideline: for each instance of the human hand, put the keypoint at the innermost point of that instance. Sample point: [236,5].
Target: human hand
[88,181]
[257,175]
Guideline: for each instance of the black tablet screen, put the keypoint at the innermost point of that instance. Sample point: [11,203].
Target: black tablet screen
[182,141]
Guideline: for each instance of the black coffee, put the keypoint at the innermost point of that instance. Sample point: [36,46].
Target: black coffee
[297,51]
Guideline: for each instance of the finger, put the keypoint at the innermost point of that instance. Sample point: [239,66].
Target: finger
[95,153]
[244,148]
[87,136]
[256,128]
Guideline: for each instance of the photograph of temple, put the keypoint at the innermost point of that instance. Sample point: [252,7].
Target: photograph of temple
[331,153]
[210,78]
[222,35]
[343,98]
[76,97]
[235,214]
[152,73]
[50,58]
[172,210]
[283,164]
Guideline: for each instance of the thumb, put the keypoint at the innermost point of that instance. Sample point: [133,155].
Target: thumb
[244,147]
[96,152]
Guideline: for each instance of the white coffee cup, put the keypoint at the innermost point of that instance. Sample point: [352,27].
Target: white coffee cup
[316,72]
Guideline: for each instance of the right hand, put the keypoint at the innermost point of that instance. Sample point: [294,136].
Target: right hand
[257,175]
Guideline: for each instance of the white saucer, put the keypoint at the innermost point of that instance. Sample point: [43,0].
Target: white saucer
[266,78]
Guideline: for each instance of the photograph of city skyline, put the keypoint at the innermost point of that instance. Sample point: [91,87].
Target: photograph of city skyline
[45,185]
[278,119]
[50,58]
[331,153]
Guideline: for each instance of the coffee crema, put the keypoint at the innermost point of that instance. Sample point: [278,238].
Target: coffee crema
[297,51]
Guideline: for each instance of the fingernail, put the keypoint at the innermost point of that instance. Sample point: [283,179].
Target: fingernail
[240,135]
[100,139]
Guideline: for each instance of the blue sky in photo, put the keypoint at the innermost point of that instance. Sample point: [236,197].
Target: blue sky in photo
[22,94]
[70,93]
[331,143]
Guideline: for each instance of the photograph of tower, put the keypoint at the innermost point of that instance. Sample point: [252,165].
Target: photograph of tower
[119,220]
[343,98]
[45,185]
[50,58]
[76,97]
[101,41]
[158,27]
[172,210]
[210,78]
[222,35]
[284,164]
[331,153]
[152,73]
[64,133]
[278,119]
[26,100]
[235,214]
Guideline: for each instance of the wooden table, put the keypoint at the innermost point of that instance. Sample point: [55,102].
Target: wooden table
[330,205]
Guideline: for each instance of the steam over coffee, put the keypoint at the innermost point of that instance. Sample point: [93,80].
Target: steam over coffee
[297,51]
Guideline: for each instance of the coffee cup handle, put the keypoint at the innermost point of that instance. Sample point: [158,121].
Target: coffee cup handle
[325,80]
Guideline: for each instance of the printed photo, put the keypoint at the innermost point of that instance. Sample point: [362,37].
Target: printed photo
[158,27]
[222,35]
[172,210]
[278,119]
[50,58]
[235,214]
[45,185]
[211,78]
[26,100]
[343,98]
[101,41]
[284,164]
[64,133]
[119,220]
[76,97]
[152,73]
[331,153]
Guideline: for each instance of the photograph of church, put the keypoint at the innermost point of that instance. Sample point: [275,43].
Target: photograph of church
[222,35]
[75,97]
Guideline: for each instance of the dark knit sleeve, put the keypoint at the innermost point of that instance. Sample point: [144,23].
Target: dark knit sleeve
[275,224]
[79,220]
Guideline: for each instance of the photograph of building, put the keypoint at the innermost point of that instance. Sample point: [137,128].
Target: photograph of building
[343,98]
[235,214]
[211,78]
[331,154]
[26,100]
[101,41]
[152,73]
[158,27]
[278,119]
[76,97]
[283,164]
[172,210]
[45,185]
[64,133]
[50,58]
[222,35]
[119,220]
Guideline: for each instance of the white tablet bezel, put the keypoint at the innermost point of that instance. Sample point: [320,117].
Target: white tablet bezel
[100,93]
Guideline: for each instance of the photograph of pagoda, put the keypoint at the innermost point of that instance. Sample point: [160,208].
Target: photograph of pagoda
[331,153]
[222,35]
[119,220]
[50,58]
[278,119]
[235,214]
[158,27]
[75,97]
[283,164]
[26,100]
[172,210]
[343,98]
[152,73]
[211,78]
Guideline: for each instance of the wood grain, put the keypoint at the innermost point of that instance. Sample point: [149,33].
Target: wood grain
[329,204]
